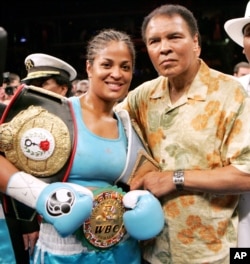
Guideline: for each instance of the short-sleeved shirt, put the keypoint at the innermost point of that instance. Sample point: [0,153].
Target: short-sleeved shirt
[207,128]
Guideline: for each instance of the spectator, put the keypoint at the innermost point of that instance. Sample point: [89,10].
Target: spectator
[10,83]
[50,73]
[82,87]
[241,69]
[74,83]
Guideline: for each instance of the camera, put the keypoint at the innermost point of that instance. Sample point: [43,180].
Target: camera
[9,90]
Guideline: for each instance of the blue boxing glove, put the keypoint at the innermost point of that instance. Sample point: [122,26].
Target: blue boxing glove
[145,220]
[65,205]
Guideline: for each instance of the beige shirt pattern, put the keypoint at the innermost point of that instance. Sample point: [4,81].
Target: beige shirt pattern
[208,127]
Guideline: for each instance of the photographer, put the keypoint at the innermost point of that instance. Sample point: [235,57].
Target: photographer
[10,83]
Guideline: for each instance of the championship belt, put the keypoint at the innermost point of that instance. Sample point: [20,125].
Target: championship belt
[37,136]
[36,133]
[104,228]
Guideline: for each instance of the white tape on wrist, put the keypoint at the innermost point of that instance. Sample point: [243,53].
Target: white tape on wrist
[25,188]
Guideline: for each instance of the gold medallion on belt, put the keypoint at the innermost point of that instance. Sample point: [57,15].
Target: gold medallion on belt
[105,228]
[36,141]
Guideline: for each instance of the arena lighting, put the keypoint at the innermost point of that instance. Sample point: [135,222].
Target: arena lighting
[23,40]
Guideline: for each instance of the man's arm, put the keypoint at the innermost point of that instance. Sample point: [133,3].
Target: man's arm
[225,180]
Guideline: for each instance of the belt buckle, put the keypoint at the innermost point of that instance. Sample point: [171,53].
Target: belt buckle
[105,228]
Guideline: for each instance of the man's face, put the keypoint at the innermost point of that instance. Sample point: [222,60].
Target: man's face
[246,41]
[170,45]
[242,72]
[49,84]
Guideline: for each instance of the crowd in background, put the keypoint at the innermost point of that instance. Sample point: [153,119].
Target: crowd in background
[11,81]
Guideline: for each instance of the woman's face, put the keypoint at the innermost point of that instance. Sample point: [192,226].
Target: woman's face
[111,72]
[170,45]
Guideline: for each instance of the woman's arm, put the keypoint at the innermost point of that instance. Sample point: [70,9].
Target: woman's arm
[47,198]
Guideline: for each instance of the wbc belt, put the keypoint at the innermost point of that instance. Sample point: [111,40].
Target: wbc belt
[37,136]
[104,228]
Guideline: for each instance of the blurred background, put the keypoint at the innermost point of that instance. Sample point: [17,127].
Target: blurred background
[62,29]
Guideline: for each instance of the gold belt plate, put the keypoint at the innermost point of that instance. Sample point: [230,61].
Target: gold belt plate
[105,228]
